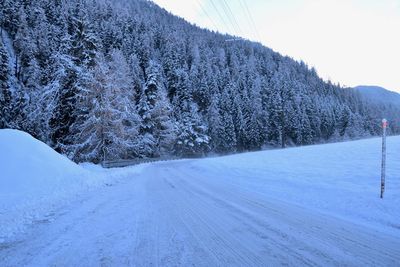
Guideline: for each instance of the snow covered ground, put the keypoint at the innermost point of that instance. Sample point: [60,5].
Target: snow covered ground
[315,205]
[34,179]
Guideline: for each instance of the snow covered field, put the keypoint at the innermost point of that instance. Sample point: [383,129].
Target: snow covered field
[315,205]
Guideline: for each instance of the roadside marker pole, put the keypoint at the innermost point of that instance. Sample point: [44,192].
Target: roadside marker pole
[383,169]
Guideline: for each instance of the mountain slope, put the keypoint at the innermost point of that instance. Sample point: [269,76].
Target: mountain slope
[108,80]
[379,94]
[314,205]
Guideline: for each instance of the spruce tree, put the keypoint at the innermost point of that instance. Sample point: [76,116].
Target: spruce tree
[192,138]
[5,93]
[156,126]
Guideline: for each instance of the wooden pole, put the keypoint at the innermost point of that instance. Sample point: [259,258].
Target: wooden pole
[383,168]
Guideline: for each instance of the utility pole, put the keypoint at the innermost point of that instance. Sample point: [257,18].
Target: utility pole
[383,168]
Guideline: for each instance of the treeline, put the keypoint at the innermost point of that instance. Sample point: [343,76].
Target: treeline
[102,79]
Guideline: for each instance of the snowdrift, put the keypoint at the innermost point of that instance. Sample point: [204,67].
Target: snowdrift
[31,167]
[33,177]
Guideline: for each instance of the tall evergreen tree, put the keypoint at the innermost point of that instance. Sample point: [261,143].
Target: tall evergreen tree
[192,138]
[5,93]
[156,125]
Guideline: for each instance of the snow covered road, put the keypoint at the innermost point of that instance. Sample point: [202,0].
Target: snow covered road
[173,214]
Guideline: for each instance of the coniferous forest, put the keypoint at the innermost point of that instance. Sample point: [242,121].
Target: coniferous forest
[116,79]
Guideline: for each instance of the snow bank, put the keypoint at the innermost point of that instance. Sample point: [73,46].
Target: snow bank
[33,178]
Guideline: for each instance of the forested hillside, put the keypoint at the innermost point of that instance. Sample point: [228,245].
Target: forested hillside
[379,94]
[100,79]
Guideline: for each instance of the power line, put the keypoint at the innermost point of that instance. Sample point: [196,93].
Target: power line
[208,15]
[228,18]
[231,16]
[252,20]
[220,16]
[247,18]
[249,15]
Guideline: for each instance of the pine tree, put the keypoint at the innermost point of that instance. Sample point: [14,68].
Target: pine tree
[19,112]
[122,98]
[81,47]
[252,126]
[192,138]
[227,132]
[165,127]
[24,47]
[9,16]
[84,43]
[281,106]
[5,93]
[214,122]
[227,136]
[91,141]
[154,109]
[65,112]
[107,129]
[201,92]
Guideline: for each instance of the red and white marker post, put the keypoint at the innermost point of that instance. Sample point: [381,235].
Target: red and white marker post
[383,169]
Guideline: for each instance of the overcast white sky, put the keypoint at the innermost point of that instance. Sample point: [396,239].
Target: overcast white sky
[352,42]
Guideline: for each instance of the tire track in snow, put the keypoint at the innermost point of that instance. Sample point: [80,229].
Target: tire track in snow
[173,217]
[371,244]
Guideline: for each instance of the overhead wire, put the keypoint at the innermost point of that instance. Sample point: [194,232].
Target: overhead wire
[232,17]
[246,15]
[228,18]
[221,17]
[250,17]
[207,14]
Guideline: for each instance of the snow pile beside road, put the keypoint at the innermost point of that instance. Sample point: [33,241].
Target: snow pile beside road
[33,178]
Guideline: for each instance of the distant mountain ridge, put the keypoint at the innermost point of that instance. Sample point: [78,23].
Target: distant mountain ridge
[378,94]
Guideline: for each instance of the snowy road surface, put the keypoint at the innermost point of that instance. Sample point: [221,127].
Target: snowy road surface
[209,213]
[165,219]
